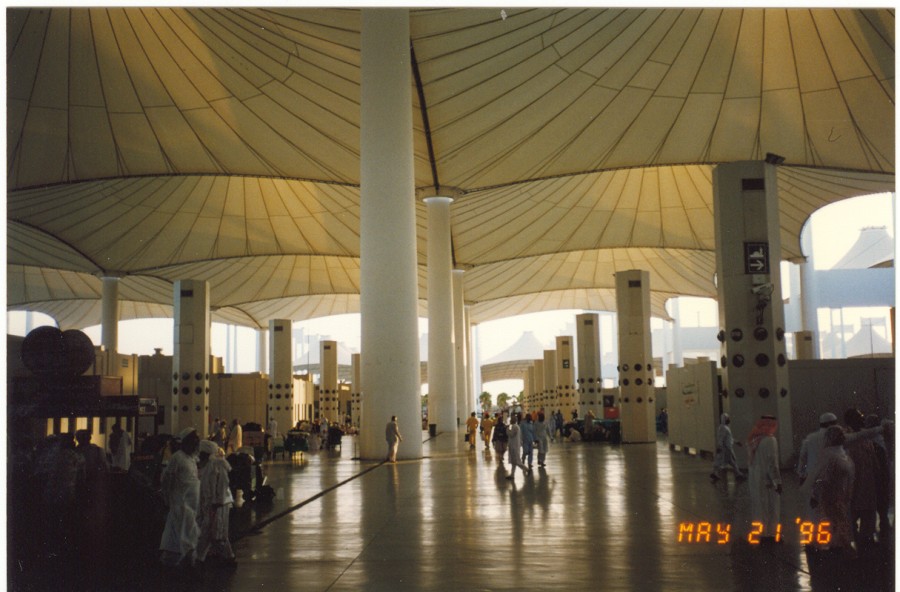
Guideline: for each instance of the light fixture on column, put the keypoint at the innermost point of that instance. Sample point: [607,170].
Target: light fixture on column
[772,158]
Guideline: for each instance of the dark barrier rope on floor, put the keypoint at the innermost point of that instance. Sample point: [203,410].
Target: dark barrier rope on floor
[259,526]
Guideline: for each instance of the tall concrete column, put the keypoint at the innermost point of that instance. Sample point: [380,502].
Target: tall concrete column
[262,349]
[329,397]
[565,373]
[751,312]
[464,403]
[638,410]
[388,266]
[109,324]
[809,306]
[587,329]
[677,349]
[531,402]
[356,389]
[550,398]
[281,399]
[472,391]
[538,386]
[190,361]
[442,404]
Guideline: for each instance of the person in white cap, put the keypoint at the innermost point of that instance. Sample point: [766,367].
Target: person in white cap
[725,451]
[812,446]
[181,492]
[808,461]
[215,504]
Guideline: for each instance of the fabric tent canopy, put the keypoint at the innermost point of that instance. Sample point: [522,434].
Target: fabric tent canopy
[157,144]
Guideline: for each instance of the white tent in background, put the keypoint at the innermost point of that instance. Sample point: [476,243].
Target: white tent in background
[527,347]
[873,248]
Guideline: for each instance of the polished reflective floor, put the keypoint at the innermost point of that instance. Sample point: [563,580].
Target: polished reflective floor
[597,517]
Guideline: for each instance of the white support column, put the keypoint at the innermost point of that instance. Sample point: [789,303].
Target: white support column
[587,327]
[538,387]
[550,396]
[190,361]
[751,312]
[262,350]
[442,404]
[528,390]
[464,403]
[473,370]
[356,389]
[388,266]
[329,398]
[109,324]
[282,399]
[677,349]
[809,308]
[565,374]
[638,410]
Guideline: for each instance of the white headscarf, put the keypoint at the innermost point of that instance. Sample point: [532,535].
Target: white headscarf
[209,447]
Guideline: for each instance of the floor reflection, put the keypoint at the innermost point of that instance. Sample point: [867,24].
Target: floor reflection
[598,517]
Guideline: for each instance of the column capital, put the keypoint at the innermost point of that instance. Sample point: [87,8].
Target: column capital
[450,193]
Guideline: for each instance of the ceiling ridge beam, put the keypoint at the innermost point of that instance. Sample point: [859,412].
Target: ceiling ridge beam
[423,107]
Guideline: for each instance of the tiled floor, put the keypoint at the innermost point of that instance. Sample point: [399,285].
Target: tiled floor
[599,517]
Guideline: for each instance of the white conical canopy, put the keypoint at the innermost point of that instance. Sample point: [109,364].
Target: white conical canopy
[160,143]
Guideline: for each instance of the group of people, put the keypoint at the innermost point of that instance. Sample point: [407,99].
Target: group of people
[229,438]
[64,488]
[846,472]
[195,487]
[518,439]
[847,478]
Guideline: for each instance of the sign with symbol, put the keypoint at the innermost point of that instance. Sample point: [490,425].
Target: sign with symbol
[756,258]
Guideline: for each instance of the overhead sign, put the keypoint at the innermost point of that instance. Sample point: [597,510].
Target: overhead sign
[756,257]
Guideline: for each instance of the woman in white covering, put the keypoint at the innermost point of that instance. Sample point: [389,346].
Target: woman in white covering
[120,447]
[515,446]
[215,504]
[181,492]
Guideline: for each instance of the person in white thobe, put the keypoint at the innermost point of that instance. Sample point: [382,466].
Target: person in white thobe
[725,450]
[808,461]
[120,448]
[181,492]
[235,437]
[215,504]
[765,477]
[393,438]
[515,446]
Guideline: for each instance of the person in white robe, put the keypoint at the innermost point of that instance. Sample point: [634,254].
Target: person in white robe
[121,446]
[765,477]
[393,438]
[181,492]
[515,446]
[235,437]
[808,460]
[725,451]
[215,504]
